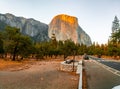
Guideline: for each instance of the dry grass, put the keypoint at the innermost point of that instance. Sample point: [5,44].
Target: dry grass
[5,65]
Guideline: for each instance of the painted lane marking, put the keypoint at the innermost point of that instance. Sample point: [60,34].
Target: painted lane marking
[114,71]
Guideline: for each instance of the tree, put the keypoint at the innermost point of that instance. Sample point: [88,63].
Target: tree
[82,49]
[16,43]
[69,48]
[25,46]
[1,46]
[115,37]
[112,49]
[98,50]
[42,49]
[91,49]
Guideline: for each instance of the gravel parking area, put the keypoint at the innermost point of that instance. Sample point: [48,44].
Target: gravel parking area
[39,75]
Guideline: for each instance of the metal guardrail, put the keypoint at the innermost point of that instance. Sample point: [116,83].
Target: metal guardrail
[79,71]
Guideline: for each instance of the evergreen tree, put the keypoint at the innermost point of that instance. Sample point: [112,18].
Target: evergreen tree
[15,43]
[114,42]
[1,46]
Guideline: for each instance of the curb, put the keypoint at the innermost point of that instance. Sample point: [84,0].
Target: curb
[79,71]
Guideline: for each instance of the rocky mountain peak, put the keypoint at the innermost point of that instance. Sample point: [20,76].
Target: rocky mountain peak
[66,27]
[9,15]
[67,18]
[31,27]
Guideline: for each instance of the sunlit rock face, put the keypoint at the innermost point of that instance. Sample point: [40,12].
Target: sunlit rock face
[63,26]
[33,28]
[66,27]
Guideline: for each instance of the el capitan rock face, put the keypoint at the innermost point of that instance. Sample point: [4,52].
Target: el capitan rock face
[66,27]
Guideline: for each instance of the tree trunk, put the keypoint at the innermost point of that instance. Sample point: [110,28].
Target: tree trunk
[65,56]
[14,57]
[22,58]
[14,53]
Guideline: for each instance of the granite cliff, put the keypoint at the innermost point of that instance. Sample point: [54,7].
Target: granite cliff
[63,26]
[36,30]
[66,27]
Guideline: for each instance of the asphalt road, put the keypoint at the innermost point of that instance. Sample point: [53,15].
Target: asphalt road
[115,65]
[112,64]
[98,77]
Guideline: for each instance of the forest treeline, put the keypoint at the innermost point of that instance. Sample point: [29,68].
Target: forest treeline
[19,46]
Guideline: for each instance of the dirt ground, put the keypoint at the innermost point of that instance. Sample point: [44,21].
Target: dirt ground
[84,80]
[37,75]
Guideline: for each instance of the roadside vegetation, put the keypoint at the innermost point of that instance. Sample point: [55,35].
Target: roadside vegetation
[16,46]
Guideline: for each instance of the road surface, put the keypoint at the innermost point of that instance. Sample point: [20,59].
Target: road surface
[98,77]
[112,64]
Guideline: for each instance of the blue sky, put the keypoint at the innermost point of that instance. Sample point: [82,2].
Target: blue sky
[94,16]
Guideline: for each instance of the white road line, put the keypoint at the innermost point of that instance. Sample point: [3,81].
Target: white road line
[114,71]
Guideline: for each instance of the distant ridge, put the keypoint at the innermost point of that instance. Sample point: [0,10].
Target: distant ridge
[35,29]
[64,26]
